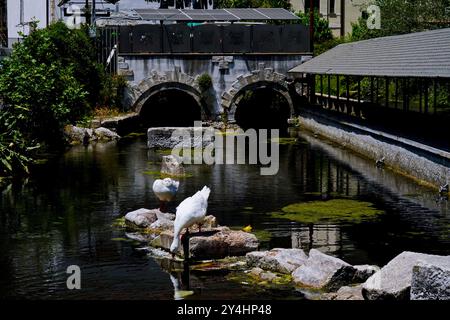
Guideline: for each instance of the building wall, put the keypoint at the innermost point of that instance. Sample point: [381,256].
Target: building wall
[352,12]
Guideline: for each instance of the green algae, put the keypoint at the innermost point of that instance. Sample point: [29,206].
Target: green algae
[284,141]
[247,278]
[262,235]
[331,211]
[119,223]
[159,174]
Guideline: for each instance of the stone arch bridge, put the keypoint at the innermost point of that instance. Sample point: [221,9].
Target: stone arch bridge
[148,76]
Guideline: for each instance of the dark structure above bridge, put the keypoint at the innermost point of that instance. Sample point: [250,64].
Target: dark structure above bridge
[236,39]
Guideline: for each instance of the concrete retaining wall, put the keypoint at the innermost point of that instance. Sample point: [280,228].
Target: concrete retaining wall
[396,157]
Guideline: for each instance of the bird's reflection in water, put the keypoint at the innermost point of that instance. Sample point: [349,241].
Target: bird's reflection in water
[181,286]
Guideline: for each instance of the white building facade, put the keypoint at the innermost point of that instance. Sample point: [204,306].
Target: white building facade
[340,13]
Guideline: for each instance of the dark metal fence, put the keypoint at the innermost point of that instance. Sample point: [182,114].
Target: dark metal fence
[107,48]
[214,39]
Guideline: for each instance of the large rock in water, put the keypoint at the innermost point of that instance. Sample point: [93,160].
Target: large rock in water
[278,260]
[142,217]
[180,137]
[430,282]
[393,281]
[321,271]
[216,243]
[172,165]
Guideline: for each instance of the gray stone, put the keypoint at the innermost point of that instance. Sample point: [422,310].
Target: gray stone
[105,134]
[77,134]
[430,282]
[278,260]
[321,271]
[393,281]
[364,272]
[268,276]
[216,243]
[141,217]
[172,165]
[345,293]
[180,137]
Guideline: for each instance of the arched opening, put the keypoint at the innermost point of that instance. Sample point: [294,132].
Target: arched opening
[170,107]
[262,107]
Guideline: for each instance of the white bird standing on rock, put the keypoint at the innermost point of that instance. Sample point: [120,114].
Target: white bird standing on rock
[191,211]
[165,190]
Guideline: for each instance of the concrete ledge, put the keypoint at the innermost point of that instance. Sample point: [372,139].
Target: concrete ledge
[395,156]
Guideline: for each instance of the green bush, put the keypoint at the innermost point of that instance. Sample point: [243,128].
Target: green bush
[51,79]
[15,150]
[112,92]
[204,82]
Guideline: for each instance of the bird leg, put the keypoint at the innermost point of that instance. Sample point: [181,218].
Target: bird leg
[199,227]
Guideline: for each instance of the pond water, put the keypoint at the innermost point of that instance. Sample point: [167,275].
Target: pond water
[63,215]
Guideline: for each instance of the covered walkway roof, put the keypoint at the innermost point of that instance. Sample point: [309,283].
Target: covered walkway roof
[244,14]
[423,54]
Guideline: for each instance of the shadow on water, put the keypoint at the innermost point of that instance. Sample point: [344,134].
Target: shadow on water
[64,215]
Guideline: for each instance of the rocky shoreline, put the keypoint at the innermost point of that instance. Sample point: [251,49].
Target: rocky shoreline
[409,275]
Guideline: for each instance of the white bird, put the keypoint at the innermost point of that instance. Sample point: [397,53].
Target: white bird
[165,190]
[191,211]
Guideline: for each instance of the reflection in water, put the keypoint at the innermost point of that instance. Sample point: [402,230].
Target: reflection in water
[63,215]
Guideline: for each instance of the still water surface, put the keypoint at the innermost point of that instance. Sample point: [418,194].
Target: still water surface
[63,215]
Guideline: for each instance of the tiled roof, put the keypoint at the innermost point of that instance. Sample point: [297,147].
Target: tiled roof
[422,54]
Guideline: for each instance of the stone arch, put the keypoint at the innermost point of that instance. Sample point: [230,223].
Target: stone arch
[171,80]
[263,77]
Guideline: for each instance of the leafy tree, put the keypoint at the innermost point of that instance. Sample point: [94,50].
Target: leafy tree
[402,16]
[51,79]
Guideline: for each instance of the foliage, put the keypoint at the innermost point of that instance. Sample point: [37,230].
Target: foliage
[112,92]
[51,79]
[15,150]
[204,82]
[400,16]
[321,47]
[322,31]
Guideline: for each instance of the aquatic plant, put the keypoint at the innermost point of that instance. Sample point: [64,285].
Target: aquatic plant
[331,211]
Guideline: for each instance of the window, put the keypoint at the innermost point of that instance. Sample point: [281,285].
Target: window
[332,8]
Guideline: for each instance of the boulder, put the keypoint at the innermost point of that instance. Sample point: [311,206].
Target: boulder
[321,271]
[217,243]
[277,260]
[180,137]
[364,272]
[77,134]
[172,165]
[393,281]
[430,282]
[83,135]
[345,293]
[141,218]
[104,134]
